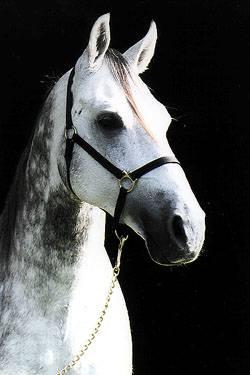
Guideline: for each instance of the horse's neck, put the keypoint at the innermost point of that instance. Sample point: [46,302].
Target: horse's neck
[55,245]
[48,228]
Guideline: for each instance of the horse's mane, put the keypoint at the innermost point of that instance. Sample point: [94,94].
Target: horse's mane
[120,69]
[8,215]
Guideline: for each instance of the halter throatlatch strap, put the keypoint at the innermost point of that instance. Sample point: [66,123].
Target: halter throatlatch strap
[126,180]
[69,126]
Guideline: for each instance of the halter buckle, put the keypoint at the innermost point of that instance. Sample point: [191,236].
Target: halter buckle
[69,133]
[127,182]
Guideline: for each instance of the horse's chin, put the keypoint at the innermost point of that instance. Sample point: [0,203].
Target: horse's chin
[168,255]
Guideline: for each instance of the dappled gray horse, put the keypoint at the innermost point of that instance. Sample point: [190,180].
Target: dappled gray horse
[55,272]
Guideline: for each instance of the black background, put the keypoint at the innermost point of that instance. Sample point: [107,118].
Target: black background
[188,319]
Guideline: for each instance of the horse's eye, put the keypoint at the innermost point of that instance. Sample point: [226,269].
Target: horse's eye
[109,121]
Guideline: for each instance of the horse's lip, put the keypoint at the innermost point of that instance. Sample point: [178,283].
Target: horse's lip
[150,242]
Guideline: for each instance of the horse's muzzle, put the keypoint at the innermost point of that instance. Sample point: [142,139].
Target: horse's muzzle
[179,243]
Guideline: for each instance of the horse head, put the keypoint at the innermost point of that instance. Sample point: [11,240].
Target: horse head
[114,111]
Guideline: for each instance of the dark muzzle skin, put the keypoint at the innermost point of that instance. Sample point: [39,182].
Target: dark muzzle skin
[167,253]
[177,241]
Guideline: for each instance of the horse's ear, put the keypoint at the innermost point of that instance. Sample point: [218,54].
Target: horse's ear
[99,40]
[142,52]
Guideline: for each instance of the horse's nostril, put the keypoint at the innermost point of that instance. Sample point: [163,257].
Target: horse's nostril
[178,230]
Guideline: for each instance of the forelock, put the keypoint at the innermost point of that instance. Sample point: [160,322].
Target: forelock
[120,69]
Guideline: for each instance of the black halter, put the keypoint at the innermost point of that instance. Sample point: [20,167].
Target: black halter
[126,179]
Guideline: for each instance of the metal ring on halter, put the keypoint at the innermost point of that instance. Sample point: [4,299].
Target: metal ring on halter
[67,131]
[121,238]
[126,178]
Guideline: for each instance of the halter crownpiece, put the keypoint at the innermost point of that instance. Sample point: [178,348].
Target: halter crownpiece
[126,180]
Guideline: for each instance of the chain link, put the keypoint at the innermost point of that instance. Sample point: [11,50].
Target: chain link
[84,348]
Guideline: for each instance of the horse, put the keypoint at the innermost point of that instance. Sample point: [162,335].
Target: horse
[55,272]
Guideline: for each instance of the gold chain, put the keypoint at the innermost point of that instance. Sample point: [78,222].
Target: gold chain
[84,348]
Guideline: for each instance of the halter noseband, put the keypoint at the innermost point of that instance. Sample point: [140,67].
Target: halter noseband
[126,180]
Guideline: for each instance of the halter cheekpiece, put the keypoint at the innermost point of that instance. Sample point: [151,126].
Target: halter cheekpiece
[126,180]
